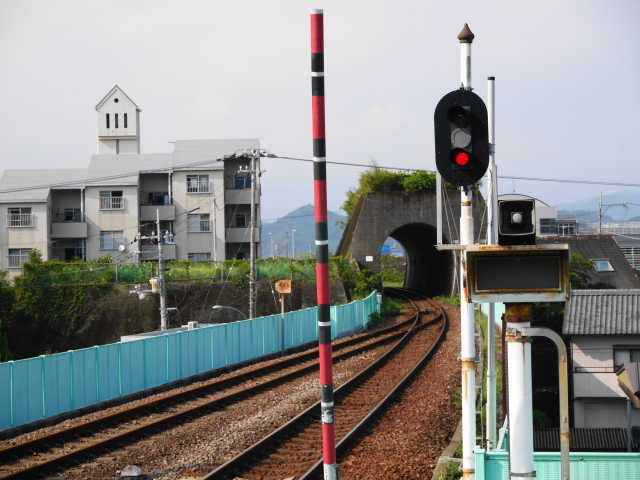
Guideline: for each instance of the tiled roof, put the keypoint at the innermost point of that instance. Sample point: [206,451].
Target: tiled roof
[601,247]
[583,440]
[602,312]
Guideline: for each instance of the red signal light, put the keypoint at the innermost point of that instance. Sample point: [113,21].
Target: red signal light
[462,158]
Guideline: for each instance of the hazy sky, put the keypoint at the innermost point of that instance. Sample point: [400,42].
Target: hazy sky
[567,96]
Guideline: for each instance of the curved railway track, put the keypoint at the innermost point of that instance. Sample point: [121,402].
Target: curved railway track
[294,450]
[50,454]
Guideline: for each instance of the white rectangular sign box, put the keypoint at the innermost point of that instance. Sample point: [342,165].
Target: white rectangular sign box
[518,274]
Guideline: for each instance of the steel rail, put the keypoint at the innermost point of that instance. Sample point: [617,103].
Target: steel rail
[111,421]
[243,458]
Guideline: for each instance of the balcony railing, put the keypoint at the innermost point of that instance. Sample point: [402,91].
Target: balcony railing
[199,226]
[111,243]
[16,261]
[112,203]
[194,186]
[20,220]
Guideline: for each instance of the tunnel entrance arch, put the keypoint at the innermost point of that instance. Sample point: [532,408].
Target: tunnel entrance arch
[409,218]
[428,270]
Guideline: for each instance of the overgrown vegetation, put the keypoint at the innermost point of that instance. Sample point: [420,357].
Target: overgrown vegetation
[453,301]
[376,179]
[450,472]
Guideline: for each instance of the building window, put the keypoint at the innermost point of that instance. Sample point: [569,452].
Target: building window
[198,223]
[125,120]
[242,220]
[71,215]
[243,256]
[197,183]
[548,226]
[111,200]
[17,256]
[196,257]
[111,240]
[108,121]
[19,217]
[566,228]
[624,354]
[242,182]
[116,120]
[603,265]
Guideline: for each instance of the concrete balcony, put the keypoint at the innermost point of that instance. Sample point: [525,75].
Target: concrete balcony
[240,196]
[240,235]
[148,212]
[150,252]
[69,230]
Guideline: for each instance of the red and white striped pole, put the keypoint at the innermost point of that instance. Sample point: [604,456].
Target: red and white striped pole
[331,471]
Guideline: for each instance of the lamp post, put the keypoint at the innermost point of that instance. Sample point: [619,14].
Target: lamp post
[220,307]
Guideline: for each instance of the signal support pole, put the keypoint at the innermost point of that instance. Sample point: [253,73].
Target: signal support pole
[492,199]
[331,468]
[468,350]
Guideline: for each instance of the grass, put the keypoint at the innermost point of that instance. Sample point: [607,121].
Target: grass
[451,472]
[454,301]
[391,304]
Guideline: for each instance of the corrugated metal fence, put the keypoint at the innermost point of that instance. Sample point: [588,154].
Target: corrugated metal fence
[44,386]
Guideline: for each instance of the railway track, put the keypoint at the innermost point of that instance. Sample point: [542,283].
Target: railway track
[294,450]
[51,454]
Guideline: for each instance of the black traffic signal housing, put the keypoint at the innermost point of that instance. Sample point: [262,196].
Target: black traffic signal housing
[461,137]
[516,222]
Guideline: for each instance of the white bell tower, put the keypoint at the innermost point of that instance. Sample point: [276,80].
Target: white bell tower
[118,124]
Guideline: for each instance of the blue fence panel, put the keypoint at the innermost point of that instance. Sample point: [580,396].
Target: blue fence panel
[57,384]
[108,371]
[49,385]
[27,389]
[6,395]
[85,380]
[132,367]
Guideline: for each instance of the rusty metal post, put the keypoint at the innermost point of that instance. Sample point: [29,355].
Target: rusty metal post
[519,316]
[563,376]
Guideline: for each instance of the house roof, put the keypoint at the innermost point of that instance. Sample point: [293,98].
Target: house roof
[582,439]
[33,185]
[601,247]
[17,186]
[122,92]
[602,312]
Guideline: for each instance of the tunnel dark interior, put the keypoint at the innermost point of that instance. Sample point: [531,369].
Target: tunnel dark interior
[429,271]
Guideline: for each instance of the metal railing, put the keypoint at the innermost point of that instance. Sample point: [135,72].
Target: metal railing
[16,261]
[195,186]
[199,226]
[112,203]
[20,220]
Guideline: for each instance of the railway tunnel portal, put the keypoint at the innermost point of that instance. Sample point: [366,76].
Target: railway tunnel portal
[410,218]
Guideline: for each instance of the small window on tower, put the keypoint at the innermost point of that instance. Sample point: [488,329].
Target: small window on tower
[116,120]
[125,120]
[108,121]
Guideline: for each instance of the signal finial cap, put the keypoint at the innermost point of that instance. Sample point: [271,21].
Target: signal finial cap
[466,35]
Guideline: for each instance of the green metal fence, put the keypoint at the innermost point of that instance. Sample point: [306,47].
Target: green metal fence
[37,388]
[584,466]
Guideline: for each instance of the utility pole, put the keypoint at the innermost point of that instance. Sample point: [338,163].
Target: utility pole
[252,255]
[157,284]
[286,244]
[600,215]
[293,243]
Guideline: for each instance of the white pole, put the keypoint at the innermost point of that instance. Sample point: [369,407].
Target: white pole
[520,403]
[491,240]
[468,350]
[162,290]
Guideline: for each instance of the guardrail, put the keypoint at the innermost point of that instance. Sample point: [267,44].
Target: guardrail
[41,387]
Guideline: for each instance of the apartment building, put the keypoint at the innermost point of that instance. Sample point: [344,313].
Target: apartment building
[203,200]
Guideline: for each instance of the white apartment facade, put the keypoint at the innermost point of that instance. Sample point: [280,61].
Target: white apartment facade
[89,213]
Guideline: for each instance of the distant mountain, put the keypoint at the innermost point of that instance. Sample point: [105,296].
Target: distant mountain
[302,220]
[587,209]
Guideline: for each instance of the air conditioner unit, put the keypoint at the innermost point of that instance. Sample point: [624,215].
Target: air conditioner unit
[192,325]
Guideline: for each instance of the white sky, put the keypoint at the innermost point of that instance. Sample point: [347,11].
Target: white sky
[567,96]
